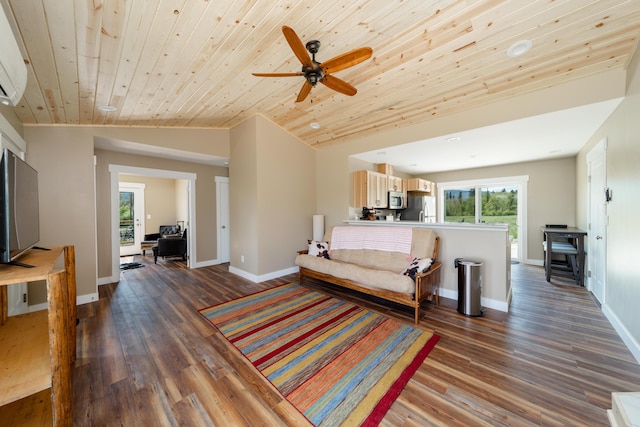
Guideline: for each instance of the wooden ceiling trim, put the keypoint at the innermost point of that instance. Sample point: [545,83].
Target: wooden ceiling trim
[126,90]
[158,26]
[63,41]
[114,18]
[214,71]
[87,25]
[40,57]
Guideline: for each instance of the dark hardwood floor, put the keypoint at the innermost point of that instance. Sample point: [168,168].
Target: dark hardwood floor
[146,357]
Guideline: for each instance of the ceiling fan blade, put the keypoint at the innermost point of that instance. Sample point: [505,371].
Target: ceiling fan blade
[346,60]
[296,45]
[306,88]
[338,85]
[299,73]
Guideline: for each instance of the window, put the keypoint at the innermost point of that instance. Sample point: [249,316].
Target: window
[126,218]
[487,201]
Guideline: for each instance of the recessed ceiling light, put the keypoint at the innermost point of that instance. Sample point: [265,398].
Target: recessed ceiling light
[107,108]
[381,153]
[453,139]
[413,165]
[519,48]
[315,125]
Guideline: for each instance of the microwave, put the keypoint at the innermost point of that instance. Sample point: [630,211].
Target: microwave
[396,200]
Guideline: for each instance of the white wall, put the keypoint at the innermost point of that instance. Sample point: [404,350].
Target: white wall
[622,131]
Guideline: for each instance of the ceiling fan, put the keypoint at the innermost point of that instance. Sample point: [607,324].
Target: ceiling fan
[314,71]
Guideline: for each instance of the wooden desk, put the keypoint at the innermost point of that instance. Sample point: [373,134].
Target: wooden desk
[573,234]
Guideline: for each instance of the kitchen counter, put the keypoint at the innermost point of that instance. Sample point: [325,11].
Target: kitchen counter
[486,242]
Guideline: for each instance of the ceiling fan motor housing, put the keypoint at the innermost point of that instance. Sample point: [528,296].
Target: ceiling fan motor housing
[313,74]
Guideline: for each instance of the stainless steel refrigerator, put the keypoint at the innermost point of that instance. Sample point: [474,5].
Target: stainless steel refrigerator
[420,208]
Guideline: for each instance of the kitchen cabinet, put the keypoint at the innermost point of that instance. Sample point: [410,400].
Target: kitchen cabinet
[38,349]
[370,189]
[419,184]
[395,184]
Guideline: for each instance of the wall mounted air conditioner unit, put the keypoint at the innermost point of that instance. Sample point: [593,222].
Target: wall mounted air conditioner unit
[13,72]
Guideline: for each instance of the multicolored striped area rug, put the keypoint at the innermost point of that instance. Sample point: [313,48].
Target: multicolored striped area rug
[337,363]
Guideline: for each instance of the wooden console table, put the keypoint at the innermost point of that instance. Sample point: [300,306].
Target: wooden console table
[572,234]
[38,350]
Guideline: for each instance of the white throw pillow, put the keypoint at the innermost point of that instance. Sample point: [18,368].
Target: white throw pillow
[418,265]
[319,249]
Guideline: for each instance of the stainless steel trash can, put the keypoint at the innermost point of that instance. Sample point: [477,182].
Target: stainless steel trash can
[469,286]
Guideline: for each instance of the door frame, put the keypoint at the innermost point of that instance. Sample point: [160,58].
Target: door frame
[599,149]
[115,171]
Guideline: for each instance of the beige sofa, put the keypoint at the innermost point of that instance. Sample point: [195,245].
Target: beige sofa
[382,273]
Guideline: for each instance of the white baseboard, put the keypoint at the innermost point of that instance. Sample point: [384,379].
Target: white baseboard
[38,307]
[80,300]
[107,280]
[263,277]
[627,338]
[485,302]
[208,263]
[86,299]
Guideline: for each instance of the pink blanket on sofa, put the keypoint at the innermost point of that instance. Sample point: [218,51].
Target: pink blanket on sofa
[393,239]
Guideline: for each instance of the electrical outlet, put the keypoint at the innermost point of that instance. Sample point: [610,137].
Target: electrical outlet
[241,258]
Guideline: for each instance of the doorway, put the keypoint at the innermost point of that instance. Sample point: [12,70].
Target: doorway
[131,225]
[115,171]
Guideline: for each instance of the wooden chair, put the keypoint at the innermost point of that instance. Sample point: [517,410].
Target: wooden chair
[569,266]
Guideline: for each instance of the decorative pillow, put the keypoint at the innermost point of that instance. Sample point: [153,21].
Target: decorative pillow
[418,265]
[319,249]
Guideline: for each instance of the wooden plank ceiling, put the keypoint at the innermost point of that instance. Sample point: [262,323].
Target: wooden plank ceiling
[189,62]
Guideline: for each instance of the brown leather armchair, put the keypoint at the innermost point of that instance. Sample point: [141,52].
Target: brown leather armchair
[171,246]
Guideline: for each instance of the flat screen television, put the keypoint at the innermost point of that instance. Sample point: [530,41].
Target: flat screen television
[19,210]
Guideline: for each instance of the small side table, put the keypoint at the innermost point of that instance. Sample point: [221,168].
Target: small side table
[147,245]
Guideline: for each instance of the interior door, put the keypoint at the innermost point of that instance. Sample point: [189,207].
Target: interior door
[224,236]
[597,233]
[131,218]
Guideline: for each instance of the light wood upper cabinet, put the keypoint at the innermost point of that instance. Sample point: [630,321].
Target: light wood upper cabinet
[395,184]
[370,189]
[418,184]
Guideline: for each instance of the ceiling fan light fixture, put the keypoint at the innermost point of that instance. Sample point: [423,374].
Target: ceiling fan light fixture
[313,78]
[519,48]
